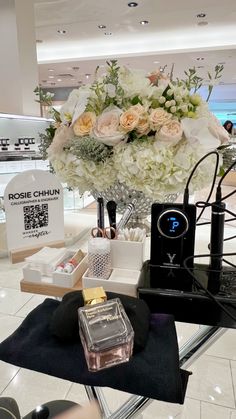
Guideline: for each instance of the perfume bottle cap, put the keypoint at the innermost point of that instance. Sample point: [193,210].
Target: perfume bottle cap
[94,295]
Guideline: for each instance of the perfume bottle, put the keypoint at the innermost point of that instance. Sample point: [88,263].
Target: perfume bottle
[105,330]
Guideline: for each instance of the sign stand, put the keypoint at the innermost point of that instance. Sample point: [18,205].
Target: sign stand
[33,202]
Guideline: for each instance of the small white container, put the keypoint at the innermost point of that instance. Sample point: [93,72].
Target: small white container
[60,279]
[127,254]
[122,281]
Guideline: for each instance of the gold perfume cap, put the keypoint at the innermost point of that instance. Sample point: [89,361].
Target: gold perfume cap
[94,295]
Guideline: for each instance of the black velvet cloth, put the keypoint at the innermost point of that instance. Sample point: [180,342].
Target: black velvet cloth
[64,322]
[153,372]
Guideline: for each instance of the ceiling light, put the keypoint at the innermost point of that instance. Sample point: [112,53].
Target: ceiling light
[75,68]
[102,26]
[50,69]
[108,33]
[51,77]
[201,15]
[203,23]
[144,22]
[132,4]
[61,31]
[156,62]
[39,41]
[53,84]
[200,58]
[59,80]
[87,75]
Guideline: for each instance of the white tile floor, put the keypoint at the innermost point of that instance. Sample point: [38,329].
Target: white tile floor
[211,392]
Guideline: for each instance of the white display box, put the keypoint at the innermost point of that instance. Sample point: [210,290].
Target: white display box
[122,281]
[127,254]
[60,279]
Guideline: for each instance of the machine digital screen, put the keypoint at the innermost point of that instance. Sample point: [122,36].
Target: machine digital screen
[172,223]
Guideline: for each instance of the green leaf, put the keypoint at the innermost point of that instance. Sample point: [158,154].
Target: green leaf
[135,100]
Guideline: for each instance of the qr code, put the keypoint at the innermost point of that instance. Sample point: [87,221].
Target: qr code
[35,216]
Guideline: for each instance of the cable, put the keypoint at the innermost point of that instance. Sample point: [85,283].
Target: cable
[228,195]
[208,293]
[229,238]
[229,263]
[186,190]
[8,411]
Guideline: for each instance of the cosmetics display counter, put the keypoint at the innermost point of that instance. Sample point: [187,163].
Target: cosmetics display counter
[186,306]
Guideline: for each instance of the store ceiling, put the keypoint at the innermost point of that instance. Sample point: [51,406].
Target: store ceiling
[173,34]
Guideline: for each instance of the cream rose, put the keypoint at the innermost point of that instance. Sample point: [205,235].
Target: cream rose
[158,117]
[171,133]
[84,124]
[106,129]
[129,120]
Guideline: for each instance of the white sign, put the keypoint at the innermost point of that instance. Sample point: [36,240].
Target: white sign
[33,202]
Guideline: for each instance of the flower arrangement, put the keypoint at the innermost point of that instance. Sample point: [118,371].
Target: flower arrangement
[145,132]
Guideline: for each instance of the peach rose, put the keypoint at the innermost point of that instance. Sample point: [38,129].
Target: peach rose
[158,117]
[138,108]
[129,120]
[84,124]
[106,129]
[143,127]
[170,133]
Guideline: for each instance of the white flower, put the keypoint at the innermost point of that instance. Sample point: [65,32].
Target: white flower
[111,90]
[135,83]
[61,137]
[197,133]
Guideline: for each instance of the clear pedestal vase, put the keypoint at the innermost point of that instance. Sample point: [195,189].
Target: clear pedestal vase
[123,196]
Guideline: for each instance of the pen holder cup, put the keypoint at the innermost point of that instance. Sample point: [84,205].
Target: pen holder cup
[99,257]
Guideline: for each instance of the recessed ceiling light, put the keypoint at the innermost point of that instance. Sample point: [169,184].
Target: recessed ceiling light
[102,26]
[51,77]
[132,4]
[53,84]
[39,41]
[203,23]
[75,68]
[59,80]
[50,69]
[201,15]
[144,22]
[156,62]
[107,33]
[200,58]
[61,31]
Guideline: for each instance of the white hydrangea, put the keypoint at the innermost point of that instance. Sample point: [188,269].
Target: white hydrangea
[84,175]
[158,170]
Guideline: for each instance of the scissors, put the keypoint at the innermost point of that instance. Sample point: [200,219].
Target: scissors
[106,232]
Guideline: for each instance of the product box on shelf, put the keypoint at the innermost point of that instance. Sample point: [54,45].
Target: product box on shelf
[60,279]
[127,259]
